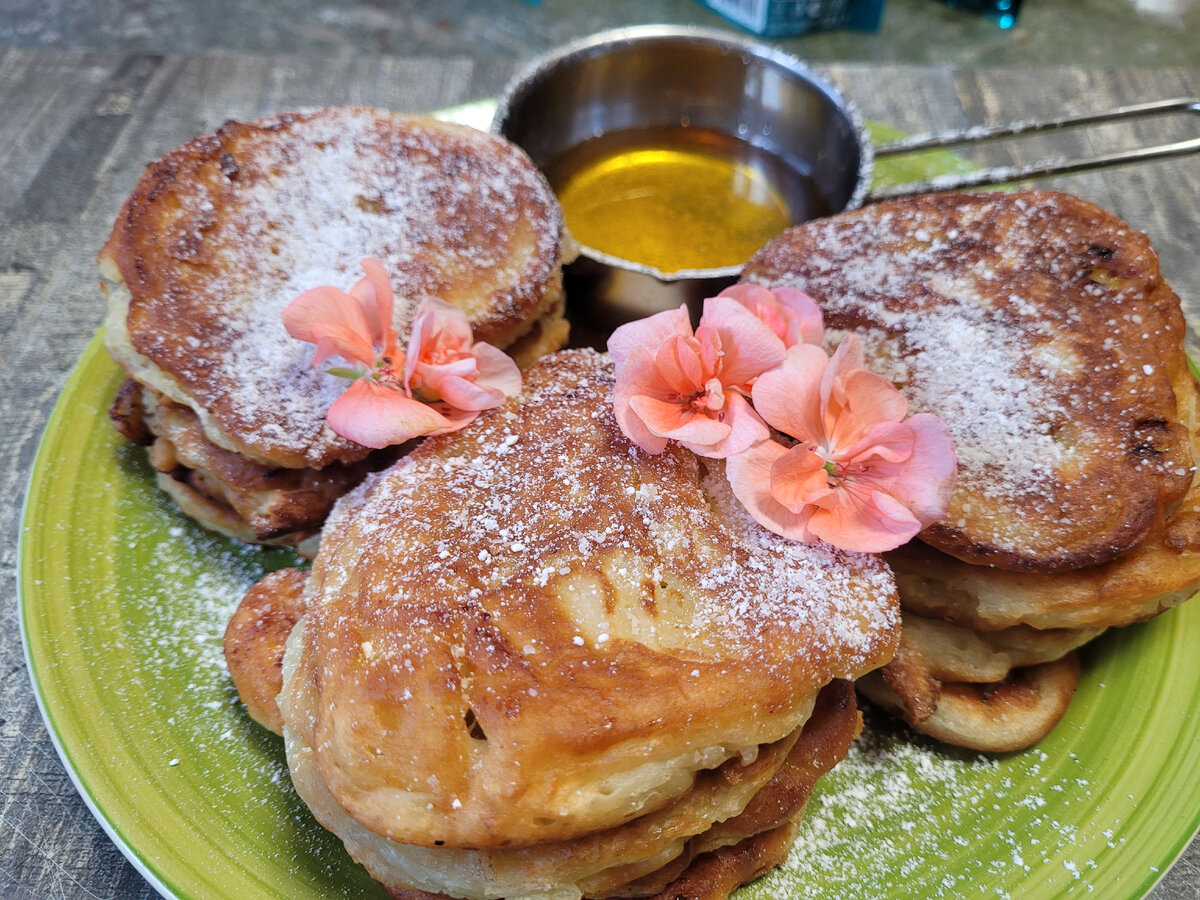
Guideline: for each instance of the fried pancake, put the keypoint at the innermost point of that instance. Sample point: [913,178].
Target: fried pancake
[1160,573]
[737,847]
[669,861]
[713,876]
[530,632]
[1038,327]
[256,637]
[269,504]
[219,235]
[995,717]
[949,652]
[984,690]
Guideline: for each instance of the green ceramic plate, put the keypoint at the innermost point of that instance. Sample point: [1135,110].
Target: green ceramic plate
[123,603]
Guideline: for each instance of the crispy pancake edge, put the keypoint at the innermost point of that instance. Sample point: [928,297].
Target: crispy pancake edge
[1065,266]
[150,244]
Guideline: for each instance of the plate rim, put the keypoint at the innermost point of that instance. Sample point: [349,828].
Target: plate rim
[92,348]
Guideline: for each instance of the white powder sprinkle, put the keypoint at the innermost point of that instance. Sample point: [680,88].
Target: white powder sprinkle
[994,331]
[442,207]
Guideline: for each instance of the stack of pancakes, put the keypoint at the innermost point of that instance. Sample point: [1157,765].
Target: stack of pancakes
[1038,327]
[533,661]
[221,234]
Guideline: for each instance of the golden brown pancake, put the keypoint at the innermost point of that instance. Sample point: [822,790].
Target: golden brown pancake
[530,633]
[739,849]
[256,637]
[219,235]
[1038,327]
[709,864]
[1160,573]
[995,717]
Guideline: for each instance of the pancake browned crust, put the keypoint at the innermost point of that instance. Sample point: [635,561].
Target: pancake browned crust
[222,233]
[529,632]
[738,850]
[256,637]
[1160,573]
[995,717]
[1038,327]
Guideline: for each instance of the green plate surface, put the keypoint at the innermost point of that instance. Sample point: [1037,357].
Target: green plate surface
[123,604]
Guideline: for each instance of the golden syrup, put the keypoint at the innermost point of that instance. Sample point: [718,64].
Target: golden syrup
[678,198]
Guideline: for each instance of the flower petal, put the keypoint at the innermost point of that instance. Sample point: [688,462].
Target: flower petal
[789,396]
[679,421]
[374,293]
[745,426]
[749,474]
[496,369]
[638,377]
[346,342]
[441,332]
[856,517]
[883,443]
[749,346]
[377,416]
[467,394]
[859,398]
[324,304]
[790,313]
[847,357]
[650,332]
[798,478]
[680,366]
[927,482]
[807,323]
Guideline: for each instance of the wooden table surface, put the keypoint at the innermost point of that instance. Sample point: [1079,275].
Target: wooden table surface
[75,133]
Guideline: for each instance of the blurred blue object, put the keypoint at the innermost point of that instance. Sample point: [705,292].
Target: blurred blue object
[1004,12]
[784,18]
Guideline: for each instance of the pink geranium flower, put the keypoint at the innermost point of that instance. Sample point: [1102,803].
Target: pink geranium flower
[859,475]
[789,312]
[440,384]
[357,326]
[673,384]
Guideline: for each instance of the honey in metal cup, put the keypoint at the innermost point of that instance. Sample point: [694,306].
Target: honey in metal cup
[677,152]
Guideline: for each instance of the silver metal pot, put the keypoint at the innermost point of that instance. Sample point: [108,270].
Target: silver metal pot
[660,76]
[666,76]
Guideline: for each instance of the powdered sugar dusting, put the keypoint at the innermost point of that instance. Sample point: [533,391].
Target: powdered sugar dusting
[964,360]
[1034,325]
[843,591]
[548,491]
[445,208]
[901,810]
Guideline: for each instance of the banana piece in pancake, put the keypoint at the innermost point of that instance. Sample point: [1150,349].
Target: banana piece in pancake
[219,235]
[529,634]
[1038,327]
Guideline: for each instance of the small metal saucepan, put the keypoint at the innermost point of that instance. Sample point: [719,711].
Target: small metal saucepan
[663,76]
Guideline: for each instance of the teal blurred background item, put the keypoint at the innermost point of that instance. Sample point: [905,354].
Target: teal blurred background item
[1003,11]
[785,18]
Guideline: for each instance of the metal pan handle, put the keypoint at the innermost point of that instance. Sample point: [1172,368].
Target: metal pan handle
[1052,166]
